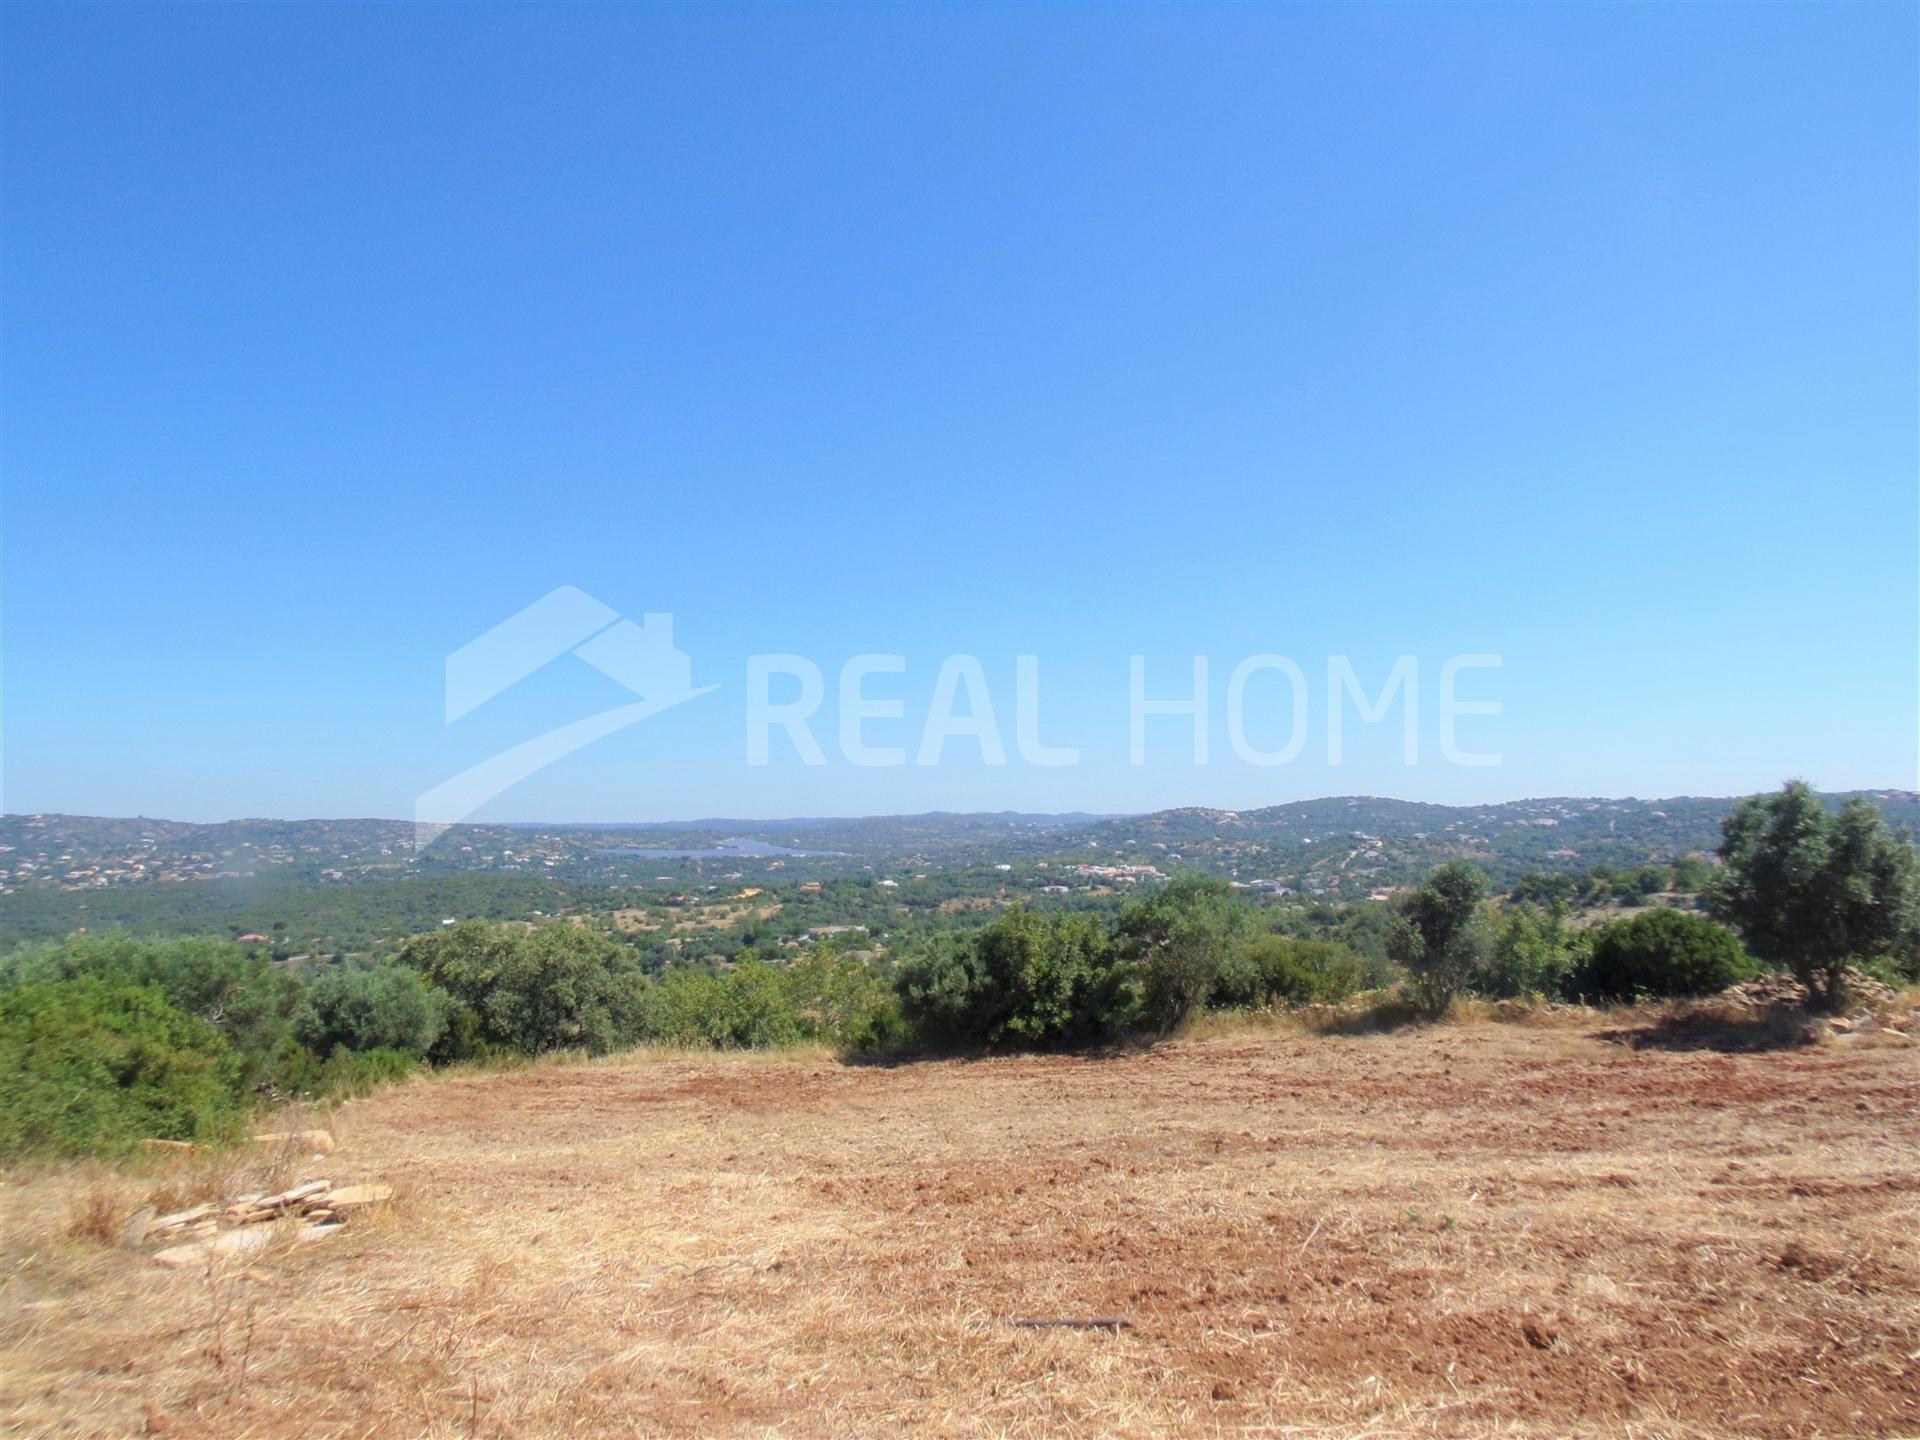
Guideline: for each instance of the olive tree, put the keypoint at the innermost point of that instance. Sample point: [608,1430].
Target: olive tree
[1816,891]
[1441,934]
[554,987]
[1181,937]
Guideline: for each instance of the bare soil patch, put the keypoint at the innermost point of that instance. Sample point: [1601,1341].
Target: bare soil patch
[1466,1230]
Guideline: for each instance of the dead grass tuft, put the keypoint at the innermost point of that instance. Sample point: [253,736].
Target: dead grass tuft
[97,1216]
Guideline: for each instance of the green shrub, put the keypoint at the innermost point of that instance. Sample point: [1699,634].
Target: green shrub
[555,987]
[389,1007]
[843,1002]
[1180,937]
[1283,970]
[823,997]
[1532,954]
[298,1073]
[1440,934]
[1026,980]
[240,994]
[350,1074]
[1659,954]
[93,1066]
[744,1008]
[1818,891]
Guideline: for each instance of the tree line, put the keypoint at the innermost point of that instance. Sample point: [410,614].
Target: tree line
[106,1040]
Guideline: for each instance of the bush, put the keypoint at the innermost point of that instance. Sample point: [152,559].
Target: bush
[91,1066]
[1819,891]
[299,1074]
[387,1008]
[350,1074]
[240,994]
[744,1008]
[843,1002]
[555,987]
[1662,953]
[1181,937]
[1027,980]
[1440,934]
[1282,970]
[823,997]
[1532,954]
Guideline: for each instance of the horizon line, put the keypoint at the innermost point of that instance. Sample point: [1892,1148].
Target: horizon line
[1091,815]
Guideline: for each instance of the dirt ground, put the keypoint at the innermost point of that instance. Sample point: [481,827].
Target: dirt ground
[1485,1229]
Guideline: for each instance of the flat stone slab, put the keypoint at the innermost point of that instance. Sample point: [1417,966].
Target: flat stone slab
[350,1197]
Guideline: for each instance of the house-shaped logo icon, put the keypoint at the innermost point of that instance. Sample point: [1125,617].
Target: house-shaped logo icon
[642,658]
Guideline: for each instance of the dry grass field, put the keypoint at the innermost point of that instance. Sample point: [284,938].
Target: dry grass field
[1479,1229]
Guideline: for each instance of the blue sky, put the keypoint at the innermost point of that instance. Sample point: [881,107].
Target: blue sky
[1584,336]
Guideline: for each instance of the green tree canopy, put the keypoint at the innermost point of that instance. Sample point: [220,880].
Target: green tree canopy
[1815,891]
[1180,937]
[557,986]
[1029,979]
[388,1007]
[1531,953]
[1442,935]
[241,994]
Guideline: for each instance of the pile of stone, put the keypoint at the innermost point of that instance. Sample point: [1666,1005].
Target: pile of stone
[211,1231]
[1871,1013]
[1779,988]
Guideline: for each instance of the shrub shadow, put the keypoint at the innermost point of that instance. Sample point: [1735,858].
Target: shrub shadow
[1120,1049]
[1729,1031]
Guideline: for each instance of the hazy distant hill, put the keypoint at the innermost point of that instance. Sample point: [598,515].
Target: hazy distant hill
[337,886]
[89,852]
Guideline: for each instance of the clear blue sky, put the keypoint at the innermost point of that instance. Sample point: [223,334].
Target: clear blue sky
[336,334]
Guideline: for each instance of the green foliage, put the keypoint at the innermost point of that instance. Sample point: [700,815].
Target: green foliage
[1029,979]
[843,1002]
[388,1007]
[554,987]
[1661,953]
[1692,874]
[1550,888]
[1285,970]
[1180,937]
[1532,953]
[92,1065]
[1441,939]
[1815,891]
[823,997]
[341,1075]
[351,1074]
[744,1008]
[1605,884]
[240,994]
[1364,929]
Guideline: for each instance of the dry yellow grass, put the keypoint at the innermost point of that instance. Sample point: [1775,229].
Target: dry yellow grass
[1474,1229]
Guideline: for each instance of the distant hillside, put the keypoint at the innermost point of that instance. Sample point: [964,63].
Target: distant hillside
[358,885]
[1346,845]
[1357,836]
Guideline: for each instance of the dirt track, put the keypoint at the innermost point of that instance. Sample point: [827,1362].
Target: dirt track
[1476,1229]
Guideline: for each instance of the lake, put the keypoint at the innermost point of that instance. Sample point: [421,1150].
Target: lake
[727,850]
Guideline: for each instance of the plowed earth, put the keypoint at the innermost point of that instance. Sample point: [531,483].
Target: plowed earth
[1467,1230]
